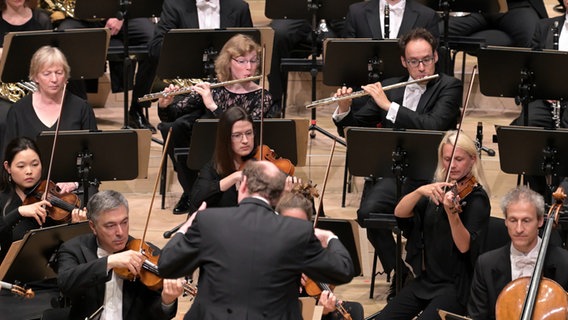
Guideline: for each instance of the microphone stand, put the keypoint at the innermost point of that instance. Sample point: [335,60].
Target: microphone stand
[479,141]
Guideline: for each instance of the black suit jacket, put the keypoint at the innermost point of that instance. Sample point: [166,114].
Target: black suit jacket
[363,20]
[544,35]
[438,108]
[538,6]
[493,273]
[250,262]
[182,14]
[82,277]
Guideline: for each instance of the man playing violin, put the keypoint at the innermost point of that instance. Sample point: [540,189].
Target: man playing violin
[445,233]
[86,263]
[251,258]
[524,215]
[430,106]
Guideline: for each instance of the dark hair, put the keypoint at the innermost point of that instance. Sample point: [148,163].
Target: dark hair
[417,34]
[264,179]
[104,201]
[223,155]
[12,149]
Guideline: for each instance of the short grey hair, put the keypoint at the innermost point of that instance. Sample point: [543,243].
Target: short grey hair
[104,201]
[523,193]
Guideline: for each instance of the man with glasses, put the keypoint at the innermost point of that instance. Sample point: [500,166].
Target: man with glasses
[432,105]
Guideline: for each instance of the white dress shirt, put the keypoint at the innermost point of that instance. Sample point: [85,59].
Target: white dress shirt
[563,39]
[522,265]
[113,294]
[209,14]
[412,94]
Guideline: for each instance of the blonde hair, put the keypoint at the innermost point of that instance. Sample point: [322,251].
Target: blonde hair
[47,56]
[465,143]
[239,45]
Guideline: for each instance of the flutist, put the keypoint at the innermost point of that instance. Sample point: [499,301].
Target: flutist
[433,106]
[239,58]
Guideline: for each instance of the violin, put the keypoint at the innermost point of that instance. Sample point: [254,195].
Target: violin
[314,289]
[17,290]
[149,274]
[264,152]
[62,203]
[461,190]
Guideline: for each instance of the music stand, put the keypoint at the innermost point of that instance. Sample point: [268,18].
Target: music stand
[123,10]
[279,134]
[19,48]
[33,257]
[357,62]
[196,45]
[345,231]
[542,152]
[523,74]
[311,10]
[91,157]
[413,154]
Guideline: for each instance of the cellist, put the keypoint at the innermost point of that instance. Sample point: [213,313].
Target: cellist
[445,227]
[524,215]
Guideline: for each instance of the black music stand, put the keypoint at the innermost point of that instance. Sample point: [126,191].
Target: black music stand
[19,48]
[344,229]
[523,74]
[196,45]
[413,154]
[311,10]
[123,10]
[446,7]
[34,257]
[91,157]
[542,153]
[279,134]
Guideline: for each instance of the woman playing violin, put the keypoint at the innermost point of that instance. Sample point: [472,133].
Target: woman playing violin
[239,58]
[444,228]
[21,171]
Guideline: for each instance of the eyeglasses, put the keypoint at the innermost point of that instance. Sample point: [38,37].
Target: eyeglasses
[238,136]
[242,62]
[416,62]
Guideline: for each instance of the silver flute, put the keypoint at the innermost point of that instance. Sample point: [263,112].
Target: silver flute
[164,94]
[362,93]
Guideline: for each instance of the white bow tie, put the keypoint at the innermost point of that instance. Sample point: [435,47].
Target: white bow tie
[204,4]
[395,10]
[414,87]
[523,262]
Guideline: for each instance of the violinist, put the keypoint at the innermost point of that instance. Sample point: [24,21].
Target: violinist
[42,110]
[296,205]
[444,223]
[86,262]
[250,259]
[524,215]
[21,171]
[239,58]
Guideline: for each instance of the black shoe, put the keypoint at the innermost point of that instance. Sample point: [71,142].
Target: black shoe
[182,206]
[148,125]
[137,120]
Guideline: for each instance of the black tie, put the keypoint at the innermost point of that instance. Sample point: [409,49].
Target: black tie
[386,35]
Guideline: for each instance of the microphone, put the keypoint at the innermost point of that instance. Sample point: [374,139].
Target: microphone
[168,234]
[479,141]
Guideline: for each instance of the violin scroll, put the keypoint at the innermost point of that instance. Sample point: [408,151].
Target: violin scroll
[18,290]
[461,190]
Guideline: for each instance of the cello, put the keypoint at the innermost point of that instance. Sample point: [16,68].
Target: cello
[518,299]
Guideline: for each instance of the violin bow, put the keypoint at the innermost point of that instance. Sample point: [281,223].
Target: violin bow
[320,204]
[462,116]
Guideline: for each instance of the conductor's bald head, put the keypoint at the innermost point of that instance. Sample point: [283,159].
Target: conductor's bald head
[264,179]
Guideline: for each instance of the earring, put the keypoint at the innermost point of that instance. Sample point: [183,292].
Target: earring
[10,177]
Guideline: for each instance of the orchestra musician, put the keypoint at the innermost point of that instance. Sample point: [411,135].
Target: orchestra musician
[445,232]
[42,110]
[429,106]
[524,215]
[253,268]
[21,171]
[296,205]
[17,15]
[86,263]
[239,58]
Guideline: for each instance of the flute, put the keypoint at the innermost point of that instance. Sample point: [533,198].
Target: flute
[362,93]
[164,94]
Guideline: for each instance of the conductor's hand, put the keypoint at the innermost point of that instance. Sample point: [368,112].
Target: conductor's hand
[130,259]
[189,221]
[343,105]
[172,289]
[204,89]
[328,300]
[114,25]
[378,94]
[36,211]
[164,102]
[323,236]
